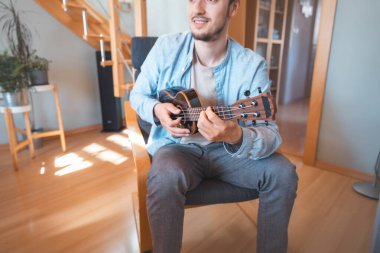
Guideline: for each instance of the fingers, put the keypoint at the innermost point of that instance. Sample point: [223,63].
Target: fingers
[174,130]
[173,109]
[178,132]
[213,117]
[163,113]
[205,126]
[215,129]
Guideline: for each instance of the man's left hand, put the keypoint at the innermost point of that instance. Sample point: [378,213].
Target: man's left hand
[215,129]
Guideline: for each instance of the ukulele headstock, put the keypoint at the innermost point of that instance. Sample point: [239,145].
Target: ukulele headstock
[261,107]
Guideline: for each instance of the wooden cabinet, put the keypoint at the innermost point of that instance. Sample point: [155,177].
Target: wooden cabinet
[269,33]
[260,25]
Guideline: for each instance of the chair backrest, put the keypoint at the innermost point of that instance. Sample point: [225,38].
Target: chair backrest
[141,47]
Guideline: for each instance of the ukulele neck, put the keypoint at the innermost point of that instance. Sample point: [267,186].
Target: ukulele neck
[192,113]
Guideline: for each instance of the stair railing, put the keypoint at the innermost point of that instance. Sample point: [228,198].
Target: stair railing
[64,4]
[117,39]
[85,24]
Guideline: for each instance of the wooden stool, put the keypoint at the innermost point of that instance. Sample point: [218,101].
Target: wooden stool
[60,131]
[14,145]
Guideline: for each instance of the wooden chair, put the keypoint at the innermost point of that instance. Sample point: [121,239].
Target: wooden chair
[207,193]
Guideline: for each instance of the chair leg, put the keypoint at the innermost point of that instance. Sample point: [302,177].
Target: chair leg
[11,137]
[29,134]
[145,234]
[59,116]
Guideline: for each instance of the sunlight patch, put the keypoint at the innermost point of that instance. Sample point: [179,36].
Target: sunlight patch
[94,148]
[120,140]
[66,160]
[42,169]
[112,157]
[73,168]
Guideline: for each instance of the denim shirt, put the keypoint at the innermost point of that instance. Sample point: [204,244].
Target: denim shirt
[168,64]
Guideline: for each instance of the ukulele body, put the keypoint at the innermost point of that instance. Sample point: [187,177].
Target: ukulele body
[184,100]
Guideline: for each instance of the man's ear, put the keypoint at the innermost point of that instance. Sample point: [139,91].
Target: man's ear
[234,8]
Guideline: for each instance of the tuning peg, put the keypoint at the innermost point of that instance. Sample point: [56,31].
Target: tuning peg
[247,93]
[253,122]
[266,123]
[259,89]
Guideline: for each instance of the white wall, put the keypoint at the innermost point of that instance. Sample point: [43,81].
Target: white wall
[166,16]
[73,68]
[350,127]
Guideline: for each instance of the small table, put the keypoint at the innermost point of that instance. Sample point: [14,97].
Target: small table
[14,145]
[60,131]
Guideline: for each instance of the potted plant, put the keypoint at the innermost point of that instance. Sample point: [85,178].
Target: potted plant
[38,70]
[16,32]
[12,79]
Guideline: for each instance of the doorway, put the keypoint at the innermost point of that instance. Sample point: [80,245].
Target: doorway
[299,54]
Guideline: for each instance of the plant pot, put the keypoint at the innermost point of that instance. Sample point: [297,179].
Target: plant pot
[39,77]
[38,142]
[12,98]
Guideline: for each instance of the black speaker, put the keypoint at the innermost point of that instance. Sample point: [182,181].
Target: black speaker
[112,117]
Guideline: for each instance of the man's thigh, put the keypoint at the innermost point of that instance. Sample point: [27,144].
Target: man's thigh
[178,161]
[246,172]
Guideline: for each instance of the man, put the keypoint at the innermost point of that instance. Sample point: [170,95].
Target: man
[241,154]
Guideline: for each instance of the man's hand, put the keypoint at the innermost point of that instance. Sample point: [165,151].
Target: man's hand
[215,129]
[163,112]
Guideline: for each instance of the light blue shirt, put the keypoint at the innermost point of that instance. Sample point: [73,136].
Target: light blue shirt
[168,64]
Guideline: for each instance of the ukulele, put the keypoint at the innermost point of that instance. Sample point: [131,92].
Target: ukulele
[261,107]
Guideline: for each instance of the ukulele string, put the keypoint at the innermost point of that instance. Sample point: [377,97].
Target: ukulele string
[190,112]
[190,118]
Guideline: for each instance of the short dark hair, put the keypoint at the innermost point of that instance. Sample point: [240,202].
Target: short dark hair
[231,1]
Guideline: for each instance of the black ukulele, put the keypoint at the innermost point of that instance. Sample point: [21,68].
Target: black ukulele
[261,107]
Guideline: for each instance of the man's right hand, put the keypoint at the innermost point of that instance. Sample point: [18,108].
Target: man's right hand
[163,112]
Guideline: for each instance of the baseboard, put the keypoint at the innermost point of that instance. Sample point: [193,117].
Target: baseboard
[4,146]
[349,172]
[67,133]
[83,129]
[344,171]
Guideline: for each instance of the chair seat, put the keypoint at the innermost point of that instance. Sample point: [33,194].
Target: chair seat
[212,191]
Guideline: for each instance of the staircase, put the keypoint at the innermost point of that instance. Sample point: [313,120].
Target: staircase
[102,33]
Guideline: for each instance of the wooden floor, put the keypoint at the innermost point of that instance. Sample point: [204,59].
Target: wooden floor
[292,122]
[80,201]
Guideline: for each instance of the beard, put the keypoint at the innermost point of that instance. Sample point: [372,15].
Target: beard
[214,33]
[210,36]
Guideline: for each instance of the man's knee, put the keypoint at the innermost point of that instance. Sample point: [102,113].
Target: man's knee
[283,172]
[165,174]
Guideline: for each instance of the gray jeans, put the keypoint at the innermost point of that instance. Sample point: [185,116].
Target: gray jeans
[177,169]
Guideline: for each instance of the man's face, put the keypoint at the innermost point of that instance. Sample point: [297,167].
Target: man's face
[208,18]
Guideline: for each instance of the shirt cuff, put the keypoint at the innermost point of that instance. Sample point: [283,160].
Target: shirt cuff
[239,150]
[148,108]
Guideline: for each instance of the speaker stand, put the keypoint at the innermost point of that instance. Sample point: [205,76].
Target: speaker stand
[367,189]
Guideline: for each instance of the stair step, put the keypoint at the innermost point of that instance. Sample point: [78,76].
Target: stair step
[106,63]
[75,6]
[75,11]
[110,62]
[97,36]
[127,86]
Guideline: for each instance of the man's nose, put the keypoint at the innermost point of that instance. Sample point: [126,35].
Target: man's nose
[199,6]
